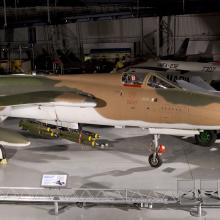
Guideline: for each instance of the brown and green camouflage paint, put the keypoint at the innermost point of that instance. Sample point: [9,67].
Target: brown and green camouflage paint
[114,101]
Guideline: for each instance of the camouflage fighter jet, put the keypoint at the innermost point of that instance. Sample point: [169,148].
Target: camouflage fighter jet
[147,100]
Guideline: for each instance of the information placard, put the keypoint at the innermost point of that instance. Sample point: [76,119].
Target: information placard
[54,180]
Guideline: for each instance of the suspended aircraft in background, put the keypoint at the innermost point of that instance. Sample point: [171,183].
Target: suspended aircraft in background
[179,67]
[57,106]
[199,76]
[187,71]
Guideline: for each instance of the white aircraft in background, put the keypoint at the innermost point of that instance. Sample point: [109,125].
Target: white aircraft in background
[176,68]
[204,76]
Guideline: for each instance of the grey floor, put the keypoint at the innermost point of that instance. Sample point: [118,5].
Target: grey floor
[123,165]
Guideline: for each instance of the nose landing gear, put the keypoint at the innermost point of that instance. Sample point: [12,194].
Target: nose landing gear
[157,149]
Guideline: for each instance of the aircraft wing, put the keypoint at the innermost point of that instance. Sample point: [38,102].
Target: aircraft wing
[190,87]
[12,138]
[198,81]
[49,97]
[196,88]
[46,105]
[38,105]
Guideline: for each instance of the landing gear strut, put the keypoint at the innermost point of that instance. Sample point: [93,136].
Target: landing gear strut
[2,155]
[155,159]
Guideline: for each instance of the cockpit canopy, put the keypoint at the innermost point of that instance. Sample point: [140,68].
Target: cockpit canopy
[141,77]
[157,82]
[133,77]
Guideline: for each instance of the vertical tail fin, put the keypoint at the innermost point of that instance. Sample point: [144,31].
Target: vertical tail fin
[183,48]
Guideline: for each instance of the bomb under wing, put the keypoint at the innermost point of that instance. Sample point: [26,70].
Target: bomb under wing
[49,131]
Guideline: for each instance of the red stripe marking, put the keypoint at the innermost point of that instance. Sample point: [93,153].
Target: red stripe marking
[133,85]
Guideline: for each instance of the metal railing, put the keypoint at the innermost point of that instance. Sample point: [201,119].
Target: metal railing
[119,196]
[193,193]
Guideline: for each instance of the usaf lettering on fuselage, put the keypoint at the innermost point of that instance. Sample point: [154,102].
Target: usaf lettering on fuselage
[174,78]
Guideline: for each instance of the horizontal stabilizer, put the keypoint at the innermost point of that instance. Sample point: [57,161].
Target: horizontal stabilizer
[12,138]
[175,132]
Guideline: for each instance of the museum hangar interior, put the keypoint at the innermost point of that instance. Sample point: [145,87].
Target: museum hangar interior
[109,109]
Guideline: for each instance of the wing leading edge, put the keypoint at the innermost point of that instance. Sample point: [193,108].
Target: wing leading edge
[43,97]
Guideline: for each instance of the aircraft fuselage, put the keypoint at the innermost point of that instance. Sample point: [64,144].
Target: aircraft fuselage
[117,104]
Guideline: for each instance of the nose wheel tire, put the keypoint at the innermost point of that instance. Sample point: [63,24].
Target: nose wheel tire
[206,138]
[155,160]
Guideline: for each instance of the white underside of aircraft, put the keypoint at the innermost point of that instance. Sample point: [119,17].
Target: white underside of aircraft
[66,115]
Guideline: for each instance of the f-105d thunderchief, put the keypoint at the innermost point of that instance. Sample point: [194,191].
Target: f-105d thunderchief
[57,106]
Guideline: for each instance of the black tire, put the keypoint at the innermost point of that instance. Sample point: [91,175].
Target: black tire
[79,204]
[3,152]
[206,138]
[157,162]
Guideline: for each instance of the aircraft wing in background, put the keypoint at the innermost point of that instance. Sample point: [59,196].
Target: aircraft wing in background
[198,81]
[198,85]
[12,138]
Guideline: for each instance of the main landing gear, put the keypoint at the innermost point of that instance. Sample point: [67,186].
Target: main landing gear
[3,159]
[206,138]
[157,149]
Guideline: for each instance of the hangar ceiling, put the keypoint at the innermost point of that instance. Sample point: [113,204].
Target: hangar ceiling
[15,13]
